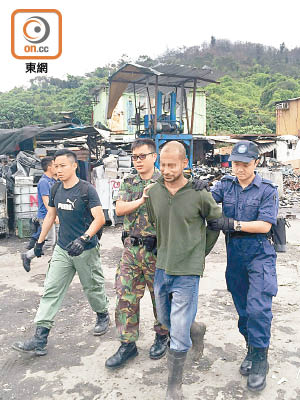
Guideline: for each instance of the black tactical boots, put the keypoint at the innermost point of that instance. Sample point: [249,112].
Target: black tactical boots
[247,362]
[36,345]
[125,352]
[260,368]
[159,347]
[102,324]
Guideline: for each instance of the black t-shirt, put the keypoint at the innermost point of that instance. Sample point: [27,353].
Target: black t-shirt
[74,217]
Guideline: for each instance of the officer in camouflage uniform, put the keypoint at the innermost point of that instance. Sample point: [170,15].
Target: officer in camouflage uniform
[137,265]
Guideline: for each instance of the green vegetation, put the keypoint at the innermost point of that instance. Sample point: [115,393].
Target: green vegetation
[46,97]
[252,78]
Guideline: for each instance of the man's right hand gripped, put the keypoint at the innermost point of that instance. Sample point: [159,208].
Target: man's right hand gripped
[223,223]
[145,192]
[200,184]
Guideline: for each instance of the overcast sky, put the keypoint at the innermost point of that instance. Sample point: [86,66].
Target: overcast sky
[98,32]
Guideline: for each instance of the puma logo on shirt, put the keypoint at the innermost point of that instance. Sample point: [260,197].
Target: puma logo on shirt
[71,202]
[69,205]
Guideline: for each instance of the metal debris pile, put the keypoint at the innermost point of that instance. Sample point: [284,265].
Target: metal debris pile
[25,164]
[210,174]
[291,181]
[291,185]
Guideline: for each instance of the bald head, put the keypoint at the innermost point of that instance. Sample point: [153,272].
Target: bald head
[172,163]
[174,147]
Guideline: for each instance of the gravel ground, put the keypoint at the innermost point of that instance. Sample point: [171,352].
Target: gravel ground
[74,367]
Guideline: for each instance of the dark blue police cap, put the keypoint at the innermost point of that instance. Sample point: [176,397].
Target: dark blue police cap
[244,151]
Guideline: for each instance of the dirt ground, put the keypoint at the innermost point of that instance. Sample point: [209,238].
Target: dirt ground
[74,367]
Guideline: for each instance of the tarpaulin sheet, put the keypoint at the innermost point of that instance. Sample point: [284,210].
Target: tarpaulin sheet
[10,138]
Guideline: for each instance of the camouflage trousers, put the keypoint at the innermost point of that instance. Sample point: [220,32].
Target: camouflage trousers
[135,271]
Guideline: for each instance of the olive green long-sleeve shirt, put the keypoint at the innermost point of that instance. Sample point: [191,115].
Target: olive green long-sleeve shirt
[182,238]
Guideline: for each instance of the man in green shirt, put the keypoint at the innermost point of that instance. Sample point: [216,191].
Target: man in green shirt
[178,213]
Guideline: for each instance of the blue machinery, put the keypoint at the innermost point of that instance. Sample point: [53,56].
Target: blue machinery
[162,124]
[167,128]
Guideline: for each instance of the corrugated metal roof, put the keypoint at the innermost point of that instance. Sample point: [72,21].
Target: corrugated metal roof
[266,147]
[137,78]
[173,75]
[283,101]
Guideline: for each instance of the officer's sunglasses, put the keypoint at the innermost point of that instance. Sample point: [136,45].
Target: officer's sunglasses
[140,156]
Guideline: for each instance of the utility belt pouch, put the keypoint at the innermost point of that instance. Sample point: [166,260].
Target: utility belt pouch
[278,233]
[135,241]
[124,236]
[150,243]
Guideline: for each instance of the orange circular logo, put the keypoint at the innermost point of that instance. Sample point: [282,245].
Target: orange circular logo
[36,29]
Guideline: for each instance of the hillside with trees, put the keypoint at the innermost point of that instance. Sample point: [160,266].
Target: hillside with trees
[252,78]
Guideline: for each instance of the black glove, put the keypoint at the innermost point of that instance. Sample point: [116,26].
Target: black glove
[38,247]
[200,184]
[76,247]
[221,224]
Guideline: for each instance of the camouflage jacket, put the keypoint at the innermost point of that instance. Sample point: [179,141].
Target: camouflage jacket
[137,223]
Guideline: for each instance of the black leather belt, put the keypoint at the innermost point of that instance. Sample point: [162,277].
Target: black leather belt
[245,234]
[147,241]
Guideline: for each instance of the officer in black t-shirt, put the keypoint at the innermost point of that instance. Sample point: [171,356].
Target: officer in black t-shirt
[77,250]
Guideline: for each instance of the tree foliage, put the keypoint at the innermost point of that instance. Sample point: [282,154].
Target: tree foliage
[42,103]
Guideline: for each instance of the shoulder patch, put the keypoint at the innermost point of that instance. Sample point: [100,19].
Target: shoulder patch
[228,178]
[268,182]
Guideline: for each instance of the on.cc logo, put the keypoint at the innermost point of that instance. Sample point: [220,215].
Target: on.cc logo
[36,30]
[36,34]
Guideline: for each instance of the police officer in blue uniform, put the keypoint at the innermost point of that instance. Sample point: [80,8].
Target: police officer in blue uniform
[250,207]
